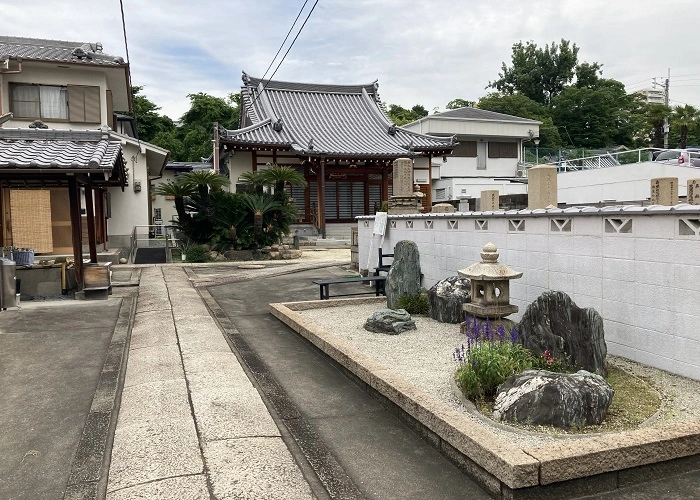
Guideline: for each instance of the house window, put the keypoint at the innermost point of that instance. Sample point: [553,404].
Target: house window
[503,150]
[465,149]
[440,193]
[76,103]
[39,101]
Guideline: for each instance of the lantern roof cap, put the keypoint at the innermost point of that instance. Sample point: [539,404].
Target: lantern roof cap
[489,269]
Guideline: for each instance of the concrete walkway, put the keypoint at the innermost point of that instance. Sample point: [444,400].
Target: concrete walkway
[191,425]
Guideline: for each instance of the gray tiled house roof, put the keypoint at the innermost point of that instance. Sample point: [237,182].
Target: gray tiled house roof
[89,151]
[56,51]
[333,120]
[480,114]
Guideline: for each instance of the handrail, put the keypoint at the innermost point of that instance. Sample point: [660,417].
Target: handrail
[167,236]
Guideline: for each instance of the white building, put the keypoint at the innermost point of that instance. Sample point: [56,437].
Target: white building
[489,154]
[49,84]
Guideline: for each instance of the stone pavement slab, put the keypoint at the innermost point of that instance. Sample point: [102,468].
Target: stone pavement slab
[190,417]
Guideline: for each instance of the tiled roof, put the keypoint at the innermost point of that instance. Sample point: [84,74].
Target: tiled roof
[27,149]
[333,120]
[56,51]
[480,114]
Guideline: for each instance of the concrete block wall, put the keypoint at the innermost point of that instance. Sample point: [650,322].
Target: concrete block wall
[639,267]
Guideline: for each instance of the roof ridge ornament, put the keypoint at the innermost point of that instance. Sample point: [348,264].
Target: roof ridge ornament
[392,129]
[246,78]
[277,126]
[38,124]
[310,147]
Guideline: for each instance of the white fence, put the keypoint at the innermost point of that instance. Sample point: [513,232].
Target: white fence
[638,266]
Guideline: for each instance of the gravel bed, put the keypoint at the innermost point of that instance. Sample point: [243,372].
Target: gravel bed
[424,357]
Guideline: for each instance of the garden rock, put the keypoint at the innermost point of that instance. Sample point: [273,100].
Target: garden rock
[571,334]
[446,298]
[540,397]
[239,254]
[391,321]
[404,275]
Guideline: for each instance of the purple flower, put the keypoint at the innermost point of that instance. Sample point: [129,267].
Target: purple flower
[514,335]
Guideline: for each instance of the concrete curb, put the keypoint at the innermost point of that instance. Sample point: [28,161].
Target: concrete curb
[88,476]
[565,469]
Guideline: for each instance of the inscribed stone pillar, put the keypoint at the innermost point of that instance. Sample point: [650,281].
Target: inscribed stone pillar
[443,208]
[403,177]
[404,276]
[489,200]
[664,191]
[541,187]
[694,191]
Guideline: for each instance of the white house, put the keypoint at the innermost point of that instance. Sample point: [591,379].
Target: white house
[72,86]
[489,154]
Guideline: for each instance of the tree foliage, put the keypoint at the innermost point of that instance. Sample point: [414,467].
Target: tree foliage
[538,73]
[402,116]
[460,103]
[191,141]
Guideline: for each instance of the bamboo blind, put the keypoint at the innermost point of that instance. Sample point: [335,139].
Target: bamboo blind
[30,213]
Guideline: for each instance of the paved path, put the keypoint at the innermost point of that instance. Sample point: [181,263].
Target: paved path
[56,394]
[191,425]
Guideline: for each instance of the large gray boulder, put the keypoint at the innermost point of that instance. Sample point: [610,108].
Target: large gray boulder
[571,334]
[446,298]
[391,321]
[404,275]
[540,397]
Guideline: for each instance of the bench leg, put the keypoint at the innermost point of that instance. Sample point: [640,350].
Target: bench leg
[324,291]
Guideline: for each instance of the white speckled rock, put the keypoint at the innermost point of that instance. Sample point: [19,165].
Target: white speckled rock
[540,397]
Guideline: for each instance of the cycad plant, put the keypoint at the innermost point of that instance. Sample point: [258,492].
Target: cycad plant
[204,181]
[179,191]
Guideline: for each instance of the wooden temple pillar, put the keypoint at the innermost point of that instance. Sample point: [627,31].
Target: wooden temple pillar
[385,183]
[321,184]
[76,229]
[90,212]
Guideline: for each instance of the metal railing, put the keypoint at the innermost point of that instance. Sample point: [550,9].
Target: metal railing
[609,159]
[153,236]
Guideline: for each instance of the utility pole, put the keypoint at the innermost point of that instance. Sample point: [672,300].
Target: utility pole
[668,80]
[215,156]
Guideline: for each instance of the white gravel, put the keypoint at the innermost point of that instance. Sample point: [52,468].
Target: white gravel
[424,357]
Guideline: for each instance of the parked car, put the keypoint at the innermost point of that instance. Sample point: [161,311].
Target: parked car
[688,157]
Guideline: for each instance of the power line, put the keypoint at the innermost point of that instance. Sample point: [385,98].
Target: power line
[131,87]
[285,54]
[285,39]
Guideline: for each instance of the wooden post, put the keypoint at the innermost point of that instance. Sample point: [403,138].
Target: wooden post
[76,229]
[385,184]
[90,212]
[322,198]
[429,195]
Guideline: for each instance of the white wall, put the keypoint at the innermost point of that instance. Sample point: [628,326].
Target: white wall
[129,208]
[51,75]
[167,207]
[463,126]
[238,163]
[645,283]
[621,183]
[463,187]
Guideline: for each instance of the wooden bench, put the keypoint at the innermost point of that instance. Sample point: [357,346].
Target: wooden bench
[381,266]
[324,286]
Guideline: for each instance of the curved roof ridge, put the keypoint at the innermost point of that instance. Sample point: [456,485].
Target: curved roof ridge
[250,81]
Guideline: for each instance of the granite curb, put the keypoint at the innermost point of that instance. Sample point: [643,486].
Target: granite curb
[566,469]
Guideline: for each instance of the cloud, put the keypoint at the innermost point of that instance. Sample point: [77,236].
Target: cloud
[421,52]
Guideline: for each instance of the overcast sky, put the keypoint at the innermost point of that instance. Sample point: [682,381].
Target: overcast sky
[422,52]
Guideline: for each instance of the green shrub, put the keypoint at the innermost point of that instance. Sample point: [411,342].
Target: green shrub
[196,253]
[414,304]
[487,365]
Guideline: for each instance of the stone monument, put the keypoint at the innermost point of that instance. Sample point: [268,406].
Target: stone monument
[664,191]
[541,187]
[490,291]
[490,200]
[694,191]
[405,199]
[443,208]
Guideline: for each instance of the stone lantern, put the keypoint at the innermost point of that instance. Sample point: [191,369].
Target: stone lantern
[490,292]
